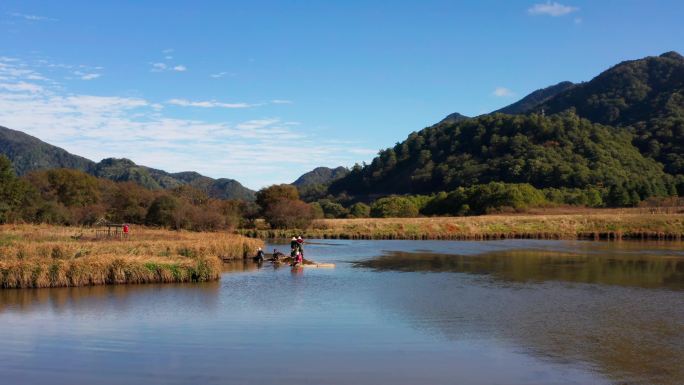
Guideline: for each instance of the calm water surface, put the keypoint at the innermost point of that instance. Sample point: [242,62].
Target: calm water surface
[392,312]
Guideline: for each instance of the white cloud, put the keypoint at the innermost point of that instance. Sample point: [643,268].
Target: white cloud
[208,104]
[87,75]
[502,92]
[168,57]
[256,124]
[551,9]
[157,67]
[218,75]
[21,87]
[104,126]
[161,67]
[90,76]
[31,17]
[214,104]
[11,70]
[168,50]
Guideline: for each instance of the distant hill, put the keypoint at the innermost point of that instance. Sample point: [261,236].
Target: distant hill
[630,92]
[124,170]
[522,106]
[28,153]
[453,118]
[537,97]
[219,188]
[320,175]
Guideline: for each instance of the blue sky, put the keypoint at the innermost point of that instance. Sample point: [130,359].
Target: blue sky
[262,91]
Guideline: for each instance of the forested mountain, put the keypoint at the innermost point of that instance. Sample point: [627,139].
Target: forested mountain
[630,92]
[537,97]
[28,153]
[604,133]
[645,96]
[320,175]
[557,151]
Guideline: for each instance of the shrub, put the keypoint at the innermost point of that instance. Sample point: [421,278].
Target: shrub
[332,209]
[487,198]
[359,210]
[393,207]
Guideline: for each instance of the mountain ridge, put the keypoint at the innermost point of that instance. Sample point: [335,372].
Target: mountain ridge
[535,98]
[564,136]
[29,153]
[320,175]
[643,96]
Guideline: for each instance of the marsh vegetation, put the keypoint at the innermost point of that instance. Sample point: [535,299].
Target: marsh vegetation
[52,256]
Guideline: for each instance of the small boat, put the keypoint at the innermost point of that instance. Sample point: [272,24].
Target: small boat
[320,265]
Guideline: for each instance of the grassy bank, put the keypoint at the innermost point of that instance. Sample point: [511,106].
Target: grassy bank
[50,256]
[590,225]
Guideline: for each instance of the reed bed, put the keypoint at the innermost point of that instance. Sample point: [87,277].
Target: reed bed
[612,225]
[50,256]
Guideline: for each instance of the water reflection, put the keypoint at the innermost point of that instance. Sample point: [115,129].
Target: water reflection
[240,266]
[529,297]
[563,313]
[661,271]
[118,297]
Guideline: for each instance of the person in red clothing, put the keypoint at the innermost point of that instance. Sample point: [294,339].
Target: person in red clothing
[300,244]
[126,229]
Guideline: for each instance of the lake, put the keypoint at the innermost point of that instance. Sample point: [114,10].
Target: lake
[391,312]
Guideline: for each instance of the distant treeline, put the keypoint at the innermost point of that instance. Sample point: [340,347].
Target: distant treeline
[72,197]
[493,197]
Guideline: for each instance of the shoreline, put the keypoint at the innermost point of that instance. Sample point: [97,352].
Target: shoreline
[586,226]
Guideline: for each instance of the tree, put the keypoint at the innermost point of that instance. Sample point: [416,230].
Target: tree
[66,186]
[289,214]
[163,212]
[129,203]
[11,190]
[317,210]
[619,196]
[268,196]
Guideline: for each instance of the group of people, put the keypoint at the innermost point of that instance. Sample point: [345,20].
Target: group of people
[296,252]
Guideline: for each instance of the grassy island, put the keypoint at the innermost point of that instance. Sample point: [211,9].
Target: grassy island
[34,256]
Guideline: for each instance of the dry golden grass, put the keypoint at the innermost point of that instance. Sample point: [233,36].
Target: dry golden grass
[610,224]
[50,256]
